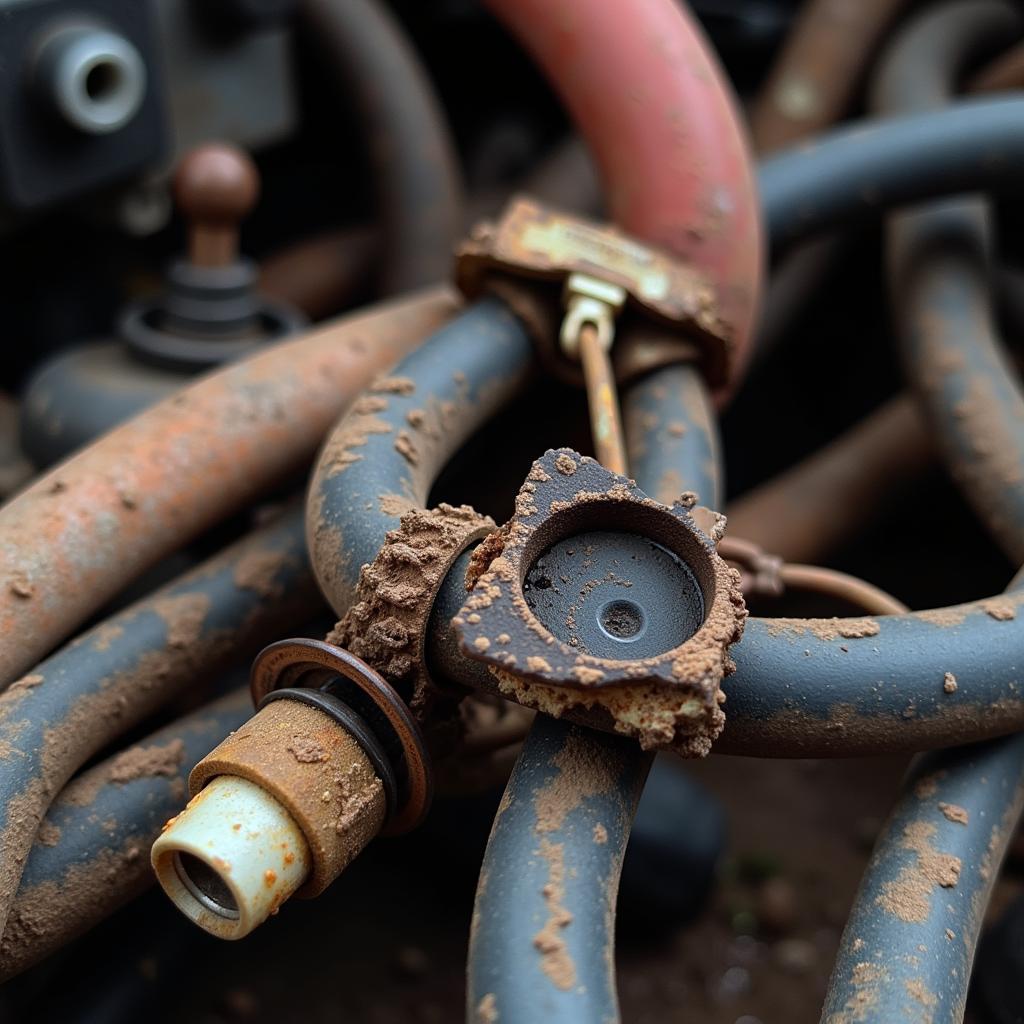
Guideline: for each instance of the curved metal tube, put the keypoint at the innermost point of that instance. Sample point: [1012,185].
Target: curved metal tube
[870,166]
[73,539]
[909,943]
[415,169]
[818,68]
[837,687]
[383,457]
[91,854]
[541,947]
[74,703]
[939,270]
[911,937]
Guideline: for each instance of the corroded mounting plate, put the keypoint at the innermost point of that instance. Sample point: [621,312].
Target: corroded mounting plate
[533,241]
[668,698]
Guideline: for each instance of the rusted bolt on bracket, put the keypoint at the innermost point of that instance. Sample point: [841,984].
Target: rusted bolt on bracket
[596,598]
[332,758]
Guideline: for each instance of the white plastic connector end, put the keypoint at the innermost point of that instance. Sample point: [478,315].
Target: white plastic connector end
[231,857]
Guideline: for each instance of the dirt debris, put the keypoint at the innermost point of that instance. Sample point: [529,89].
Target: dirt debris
[257,571]
[147,762]
[955,813]
[487,1010]
[581,775]
[908,896]
[556,961]
[949,684]
[48,834]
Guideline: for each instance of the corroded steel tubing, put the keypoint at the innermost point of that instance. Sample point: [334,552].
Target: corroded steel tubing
[811,508]
[541,946]
[838,687]
[909,943]
[939,282]
[383,457]
[972,145]
[818,69]
[91,854]
[643,86]
[109,679]
[74,538]
[412,155]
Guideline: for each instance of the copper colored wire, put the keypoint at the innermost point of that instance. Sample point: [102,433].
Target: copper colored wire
[832,583]
[603,402]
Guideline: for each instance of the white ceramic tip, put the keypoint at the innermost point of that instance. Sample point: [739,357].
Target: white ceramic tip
[231,858]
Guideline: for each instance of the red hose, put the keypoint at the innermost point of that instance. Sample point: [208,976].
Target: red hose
[642,84]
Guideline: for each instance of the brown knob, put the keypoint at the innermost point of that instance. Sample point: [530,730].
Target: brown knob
[215,186]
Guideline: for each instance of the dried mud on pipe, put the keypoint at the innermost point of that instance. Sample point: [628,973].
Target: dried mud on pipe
[72,540]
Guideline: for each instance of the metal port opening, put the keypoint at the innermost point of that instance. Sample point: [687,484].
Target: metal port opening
[206,886]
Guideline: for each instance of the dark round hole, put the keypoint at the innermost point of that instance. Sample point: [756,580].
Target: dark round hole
[205,885]
[614,595]
[622,620]
[102,80]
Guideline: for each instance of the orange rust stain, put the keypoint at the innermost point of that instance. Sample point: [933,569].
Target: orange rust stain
[269,878]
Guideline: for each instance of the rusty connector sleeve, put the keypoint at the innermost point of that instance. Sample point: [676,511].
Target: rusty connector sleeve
[73,539]
[90,856]
[643,86]
[109,679]
[316,770]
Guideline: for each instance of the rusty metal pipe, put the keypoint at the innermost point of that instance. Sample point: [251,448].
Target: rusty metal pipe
[412,156]
[90,856]
[813,507]
[77,701]
[74,538]
[817,72]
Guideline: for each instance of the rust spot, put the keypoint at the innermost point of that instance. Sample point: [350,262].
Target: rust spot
[269,878]
[306,750]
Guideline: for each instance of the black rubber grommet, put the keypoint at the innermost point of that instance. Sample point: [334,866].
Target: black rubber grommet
[352,724]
